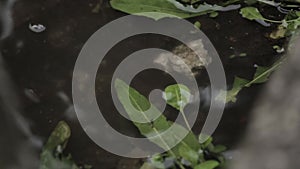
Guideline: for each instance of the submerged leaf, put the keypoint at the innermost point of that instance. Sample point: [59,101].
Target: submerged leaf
[280,32]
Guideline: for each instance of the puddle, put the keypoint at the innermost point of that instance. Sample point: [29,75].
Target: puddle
[41,65]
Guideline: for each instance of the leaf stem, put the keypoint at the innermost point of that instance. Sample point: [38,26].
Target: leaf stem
[181,111]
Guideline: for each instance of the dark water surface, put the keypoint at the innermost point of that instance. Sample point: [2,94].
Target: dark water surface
[41,66]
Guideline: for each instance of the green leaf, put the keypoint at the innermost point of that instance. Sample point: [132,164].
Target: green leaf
[189,155]
[197,24]
[229,2]
[165,7]
[289,25]
[219,149]
[148,165]
[238,85]
[261,75]
[213,14]
[203,7]
[210,164]
[155,129]
[161,6]
[251,13]
[156,162]
[208,140]
[51,156]
[177,96]
[59,136]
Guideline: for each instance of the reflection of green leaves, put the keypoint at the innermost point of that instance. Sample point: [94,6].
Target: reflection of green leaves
[261,75]
[51,156]
[211,164]
[155,129]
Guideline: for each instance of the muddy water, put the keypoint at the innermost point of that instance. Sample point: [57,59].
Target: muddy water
[41,65]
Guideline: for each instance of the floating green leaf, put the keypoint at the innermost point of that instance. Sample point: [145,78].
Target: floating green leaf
[261,75]
[238,85]
[177,96]
[211,164]
[203,7]
[213,14]
[142,6]
[156,162]
[251,13]
[208,140]
[197,24]
[189,154]
[166,8]
[155,129]
[148,165]
[219,148]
